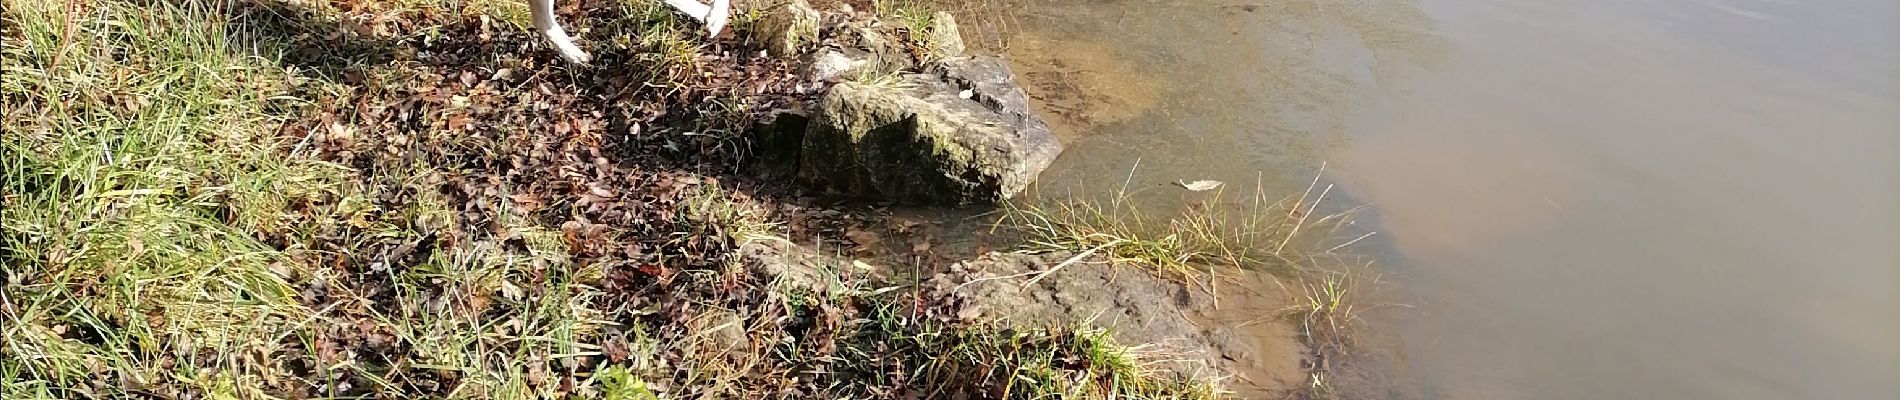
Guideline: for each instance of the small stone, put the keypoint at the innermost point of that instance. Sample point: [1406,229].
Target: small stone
[944,39]
[787,27]
[831,64]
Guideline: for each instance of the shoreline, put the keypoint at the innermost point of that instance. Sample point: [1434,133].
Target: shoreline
[317,199]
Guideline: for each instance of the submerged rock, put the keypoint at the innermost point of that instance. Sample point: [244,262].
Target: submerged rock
[963,134]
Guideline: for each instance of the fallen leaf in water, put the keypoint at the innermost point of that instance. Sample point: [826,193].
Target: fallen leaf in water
[1198,186]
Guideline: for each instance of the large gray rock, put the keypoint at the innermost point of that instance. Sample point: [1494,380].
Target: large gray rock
[963,134]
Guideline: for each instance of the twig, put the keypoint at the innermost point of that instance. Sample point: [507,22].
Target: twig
[1044,272]
[1071,260]
[1350,242]
[1303,216]
[1296,208]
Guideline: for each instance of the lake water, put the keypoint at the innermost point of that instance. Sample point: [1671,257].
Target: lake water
[1579,199]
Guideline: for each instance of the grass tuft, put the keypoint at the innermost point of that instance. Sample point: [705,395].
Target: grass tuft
[1287,238]
[1252,232]
[714,208]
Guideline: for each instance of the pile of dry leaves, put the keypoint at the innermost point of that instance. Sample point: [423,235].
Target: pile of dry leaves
[463,132]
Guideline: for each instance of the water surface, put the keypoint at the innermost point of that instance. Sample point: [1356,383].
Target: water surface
[1583,199]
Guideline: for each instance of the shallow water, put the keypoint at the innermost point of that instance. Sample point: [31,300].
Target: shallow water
[1580,198]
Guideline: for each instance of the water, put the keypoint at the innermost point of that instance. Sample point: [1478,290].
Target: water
[1583,199]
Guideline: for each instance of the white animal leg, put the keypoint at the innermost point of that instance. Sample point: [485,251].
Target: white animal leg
[716,19]
[691,8]
[549,28]
[714,16]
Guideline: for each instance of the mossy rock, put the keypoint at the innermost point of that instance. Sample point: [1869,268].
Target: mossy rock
[927,138]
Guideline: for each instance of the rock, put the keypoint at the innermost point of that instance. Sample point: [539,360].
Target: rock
[989,81]
[830,64]
[944,40]
[919,140]
[887,53]
[720,332]
[866,36]
[855,47]
[1137,306]
[778,134]
[786,27]
[787,264]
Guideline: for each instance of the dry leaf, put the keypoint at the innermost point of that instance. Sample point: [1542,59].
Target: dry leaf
[526,202]
[1199,186]
[862,237]
[458,122]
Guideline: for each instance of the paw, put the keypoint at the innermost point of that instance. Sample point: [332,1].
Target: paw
[565,45]
[574,55]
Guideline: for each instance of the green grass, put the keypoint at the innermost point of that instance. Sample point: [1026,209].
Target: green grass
[443,315]
[142,167]
[665,40]
[918,19]
[1250,232]
[139,162]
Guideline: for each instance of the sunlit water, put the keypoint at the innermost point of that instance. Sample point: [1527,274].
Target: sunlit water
[1582,199]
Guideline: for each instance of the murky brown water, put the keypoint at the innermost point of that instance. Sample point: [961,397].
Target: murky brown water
[1585,199]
